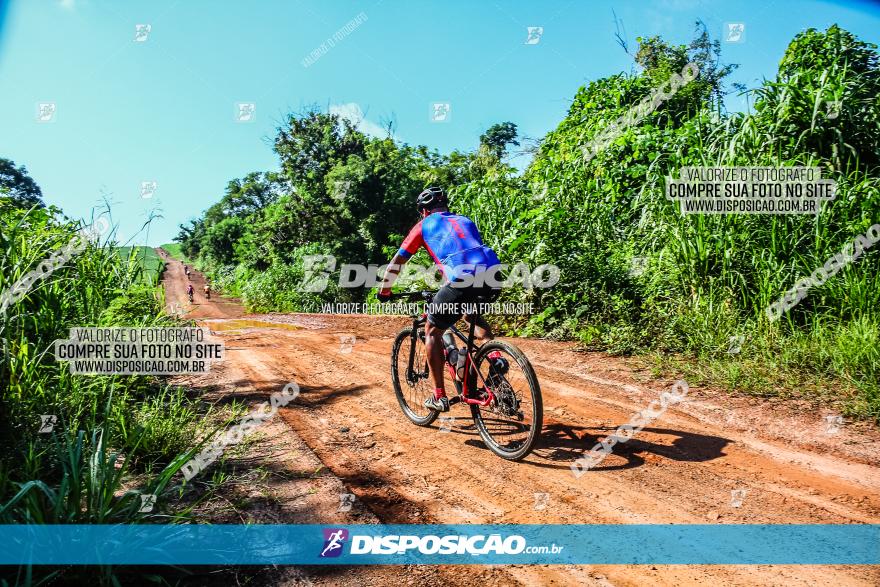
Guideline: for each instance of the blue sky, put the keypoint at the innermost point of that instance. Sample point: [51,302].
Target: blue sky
[164,109]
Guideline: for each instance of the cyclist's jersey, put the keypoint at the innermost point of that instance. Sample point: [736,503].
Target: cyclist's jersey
[453,242]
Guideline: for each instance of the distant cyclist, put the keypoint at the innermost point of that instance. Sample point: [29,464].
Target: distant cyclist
[189,292]
[457,248]
[186,270]
[207,289]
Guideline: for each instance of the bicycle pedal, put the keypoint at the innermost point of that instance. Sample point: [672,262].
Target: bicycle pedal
[454,400]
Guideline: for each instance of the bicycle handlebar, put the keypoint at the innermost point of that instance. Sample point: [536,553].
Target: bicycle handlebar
[426,296]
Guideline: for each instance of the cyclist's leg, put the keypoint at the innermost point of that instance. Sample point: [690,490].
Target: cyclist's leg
[436,325]
[483,330]
[434,347]
[484,294]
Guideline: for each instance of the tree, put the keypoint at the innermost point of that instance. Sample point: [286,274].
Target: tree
[190,237]
[219,240]
[244,197]
[815,51]
[249,194]
[498,136]
[311,144]
[660,60]
[706,53]
[18,185]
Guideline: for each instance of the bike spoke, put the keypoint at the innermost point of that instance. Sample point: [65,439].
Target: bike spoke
[509,420]
[417,388]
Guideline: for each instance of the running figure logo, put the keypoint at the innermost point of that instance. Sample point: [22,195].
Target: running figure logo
[333,541]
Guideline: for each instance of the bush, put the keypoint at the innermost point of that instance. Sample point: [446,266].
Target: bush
[279,288]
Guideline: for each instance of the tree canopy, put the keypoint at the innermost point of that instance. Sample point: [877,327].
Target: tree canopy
[15,183]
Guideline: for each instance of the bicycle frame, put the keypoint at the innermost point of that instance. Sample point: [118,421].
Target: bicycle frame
[471,348]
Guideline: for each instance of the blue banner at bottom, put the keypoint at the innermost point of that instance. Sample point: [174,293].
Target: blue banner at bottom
[725,544]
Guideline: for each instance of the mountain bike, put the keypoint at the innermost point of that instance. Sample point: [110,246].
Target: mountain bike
[504,395]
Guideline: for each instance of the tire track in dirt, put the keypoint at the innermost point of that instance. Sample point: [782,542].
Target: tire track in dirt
[681,468]
[651,480]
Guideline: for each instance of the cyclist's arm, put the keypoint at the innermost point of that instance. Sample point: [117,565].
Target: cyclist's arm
[391,273]
[410,246]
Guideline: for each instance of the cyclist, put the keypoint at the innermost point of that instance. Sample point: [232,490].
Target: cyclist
[189,292]
[454,243]
[186,270]
[207,289]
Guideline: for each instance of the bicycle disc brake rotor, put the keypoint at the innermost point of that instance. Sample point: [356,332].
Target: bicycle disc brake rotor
[506,401]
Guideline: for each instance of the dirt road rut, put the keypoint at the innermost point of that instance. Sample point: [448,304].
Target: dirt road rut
[709,459]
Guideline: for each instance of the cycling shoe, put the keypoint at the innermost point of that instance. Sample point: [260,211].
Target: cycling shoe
[437,404]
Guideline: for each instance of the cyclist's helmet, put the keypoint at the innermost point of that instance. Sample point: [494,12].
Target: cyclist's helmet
[433,197]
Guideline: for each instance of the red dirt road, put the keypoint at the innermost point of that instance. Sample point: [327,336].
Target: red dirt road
[709,459]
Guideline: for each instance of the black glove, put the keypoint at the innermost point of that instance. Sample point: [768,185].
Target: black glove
[384,295]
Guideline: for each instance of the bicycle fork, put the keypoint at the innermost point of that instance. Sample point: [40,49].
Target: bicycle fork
[411,376]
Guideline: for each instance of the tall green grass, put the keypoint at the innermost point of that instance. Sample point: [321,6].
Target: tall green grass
[709,277]
[175,250]
[150,264]
[116,437]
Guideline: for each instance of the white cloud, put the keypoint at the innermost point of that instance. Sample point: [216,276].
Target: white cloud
[67,4]
[353,113]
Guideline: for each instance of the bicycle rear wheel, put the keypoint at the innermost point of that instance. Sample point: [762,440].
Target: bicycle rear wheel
[511,425]
[412,387]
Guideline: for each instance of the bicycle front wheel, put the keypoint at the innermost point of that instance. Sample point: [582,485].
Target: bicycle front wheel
[410,376]
[512,423]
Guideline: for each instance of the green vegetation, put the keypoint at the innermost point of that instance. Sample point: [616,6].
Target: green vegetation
[149,263]
[115,437]
[17,187]
[707,278]
[175,250]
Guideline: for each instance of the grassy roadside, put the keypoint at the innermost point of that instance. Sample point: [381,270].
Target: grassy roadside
[150,264]
[833,365]
[174,249]
[110,439]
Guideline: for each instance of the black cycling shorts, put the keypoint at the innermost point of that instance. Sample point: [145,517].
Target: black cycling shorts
[458,296]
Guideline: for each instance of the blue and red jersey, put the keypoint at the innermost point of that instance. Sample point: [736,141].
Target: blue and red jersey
[453,242]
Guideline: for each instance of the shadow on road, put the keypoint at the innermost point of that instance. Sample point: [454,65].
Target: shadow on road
[563,443]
